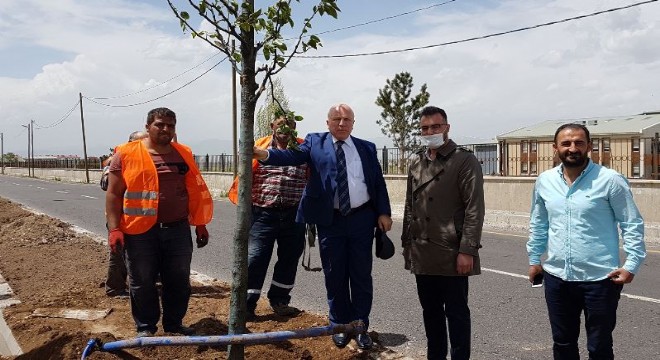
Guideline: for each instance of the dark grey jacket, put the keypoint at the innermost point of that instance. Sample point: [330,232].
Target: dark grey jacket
[444,211]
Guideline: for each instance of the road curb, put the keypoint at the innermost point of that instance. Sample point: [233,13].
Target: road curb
[8,344]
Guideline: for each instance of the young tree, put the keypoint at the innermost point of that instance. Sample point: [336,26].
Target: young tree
[400,115]
[274,101]
[258,32]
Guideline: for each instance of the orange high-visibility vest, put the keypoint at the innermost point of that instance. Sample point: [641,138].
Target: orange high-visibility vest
[262,143]
[140,206]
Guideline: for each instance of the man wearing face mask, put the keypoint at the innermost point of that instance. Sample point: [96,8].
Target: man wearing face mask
[442,223]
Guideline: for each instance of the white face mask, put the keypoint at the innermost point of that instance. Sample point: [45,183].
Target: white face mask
[433,141]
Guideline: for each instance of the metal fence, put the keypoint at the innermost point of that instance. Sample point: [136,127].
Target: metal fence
[392,160]
[395,162]
[215,163]
[635,158]
[92,163]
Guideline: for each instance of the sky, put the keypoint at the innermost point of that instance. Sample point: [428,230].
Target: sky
[121,54]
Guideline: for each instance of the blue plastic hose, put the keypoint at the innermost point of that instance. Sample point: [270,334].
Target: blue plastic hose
[239,339]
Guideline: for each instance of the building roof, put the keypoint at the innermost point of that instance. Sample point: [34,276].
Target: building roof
[622,125]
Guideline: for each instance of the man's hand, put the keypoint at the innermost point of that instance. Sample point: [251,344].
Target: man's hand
[385,223]
[533,271]
[116,240]
[202,235]
[621,276]
[464,263]
[259,154]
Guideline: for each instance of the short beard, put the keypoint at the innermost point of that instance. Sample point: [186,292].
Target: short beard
[163,142]
[580,161]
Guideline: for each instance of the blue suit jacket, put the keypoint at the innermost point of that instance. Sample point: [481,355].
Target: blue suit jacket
[317,203]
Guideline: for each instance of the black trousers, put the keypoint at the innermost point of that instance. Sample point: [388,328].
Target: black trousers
[444,301]
[166,251]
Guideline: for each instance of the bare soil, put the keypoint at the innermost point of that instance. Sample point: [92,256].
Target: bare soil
[51,267]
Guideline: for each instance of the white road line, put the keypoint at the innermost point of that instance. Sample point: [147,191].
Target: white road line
[505,234]
[61,191]
[642,298]
[505,273]
[89,197]
[525,236]
[630,296]
[17,184]
[41,188]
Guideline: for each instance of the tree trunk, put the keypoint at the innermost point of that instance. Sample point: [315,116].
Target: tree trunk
[403,159]
[238,304]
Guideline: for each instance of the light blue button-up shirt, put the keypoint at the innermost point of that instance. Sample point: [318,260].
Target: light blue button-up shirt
[577,225]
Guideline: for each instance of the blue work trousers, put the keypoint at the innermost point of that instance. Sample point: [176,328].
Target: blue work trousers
[270,226]
[166,251]
[566,301]
[346,255]
[444,301]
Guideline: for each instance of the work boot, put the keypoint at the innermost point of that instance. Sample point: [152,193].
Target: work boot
[122,295]
[183,330]
[285,310]
[144,333]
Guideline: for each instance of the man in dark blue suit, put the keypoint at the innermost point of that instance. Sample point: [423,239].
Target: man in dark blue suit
[346,198]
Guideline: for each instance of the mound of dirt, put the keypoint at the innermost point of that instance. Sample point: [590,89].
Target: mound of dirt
[51,268]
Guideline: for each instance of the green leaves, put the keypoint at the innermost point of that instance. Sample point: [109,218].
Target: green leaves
[400,116]
[328,7]
[284,128]
[314,42]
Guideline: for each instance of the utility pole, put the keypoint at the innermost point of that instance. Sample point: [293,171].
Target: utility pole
[2,151]
[28,147]
[32,146]
[82,122]
[233,115]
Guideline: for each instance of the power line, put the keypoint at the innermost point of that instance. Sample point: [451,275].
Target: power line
[21,133]
[477,37]
[379,20]
[157,85]
[162,96]
[61,120]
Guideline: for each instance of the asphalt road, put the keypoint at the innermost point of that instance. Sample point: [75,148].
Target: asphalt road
[509,317]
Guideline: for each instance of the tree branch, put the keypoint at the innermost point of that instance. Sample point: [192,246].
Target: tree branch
[297,46]
[231,29]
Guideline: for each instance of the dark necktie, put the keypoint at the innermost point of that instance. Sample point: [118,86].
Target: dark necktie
[342,181]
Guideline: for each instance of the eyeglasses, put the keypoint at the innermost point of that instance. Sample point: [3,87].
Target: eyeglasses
[339,120]
[434,128]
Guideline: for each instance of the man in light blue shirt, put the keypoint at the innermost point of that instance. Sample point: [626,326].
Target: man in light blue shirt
[576,208]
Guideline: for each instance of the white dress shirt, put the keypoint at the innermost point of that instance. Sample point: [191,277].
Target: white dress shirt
[357,187]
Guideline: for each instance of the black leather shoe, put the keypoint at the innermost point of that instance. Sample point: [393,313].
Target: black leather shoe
[340,340]
[183,330]
[364,342]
